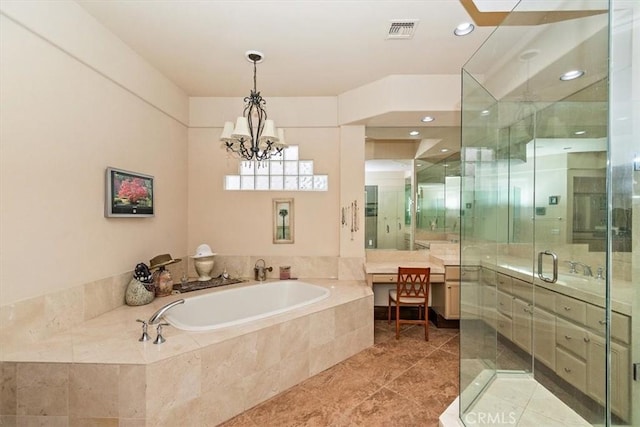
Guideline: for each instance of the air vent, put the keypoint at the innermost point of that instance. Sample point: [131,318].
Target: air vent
[402,28]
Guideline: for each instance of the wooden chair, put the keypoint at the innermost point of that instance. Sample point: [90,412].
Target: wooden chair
[412,289]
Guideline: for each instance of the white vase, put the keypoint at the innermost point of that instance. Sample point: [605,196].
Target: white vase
[203,266]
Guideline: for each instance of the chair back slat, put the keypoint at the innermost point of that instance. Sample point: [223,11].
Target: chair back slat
[413,282]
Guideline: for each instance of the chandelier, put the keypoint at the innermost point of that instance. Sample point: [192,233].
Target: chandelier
[254,137]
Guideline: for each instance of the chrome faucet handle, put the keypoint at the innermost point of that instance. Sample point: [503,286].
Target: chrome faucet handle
[145,336]
[572,266]
[159,338]
[587,270]
[600,273]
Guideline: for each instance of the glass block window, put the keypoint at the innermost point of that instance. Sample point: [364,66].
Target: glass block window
[284,171]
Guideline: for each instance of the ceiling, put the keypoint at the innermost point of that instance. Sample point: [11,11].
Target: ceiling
[328,47]
[311,48]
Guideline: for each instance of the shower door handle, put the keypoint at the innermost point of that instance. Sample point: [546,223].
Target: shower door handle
[555,266]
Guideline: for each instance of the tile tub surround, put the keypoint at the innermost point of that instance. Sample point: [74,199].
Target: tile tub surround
[195,378]
[31,320]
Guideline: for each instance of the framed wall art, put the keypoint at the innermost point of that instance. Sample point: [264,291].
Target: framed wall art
[283,221]
[128,194]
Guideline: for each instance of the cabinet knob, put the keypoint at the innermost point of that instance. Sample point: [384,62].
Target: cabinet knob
[567,369]
[586,339]
[567,337]
[602,322]
[567,308]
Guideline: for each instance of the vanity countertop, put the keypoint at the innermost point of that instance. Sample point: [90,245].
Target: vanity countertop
[588,289]
[391,267]
[446,259]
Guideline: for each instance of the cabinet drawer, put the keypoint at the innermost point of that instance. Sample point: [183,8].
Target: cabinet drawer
[385,278]
[452,273]
[504,283]
[571,308]
[505,303]
[488,276]
[571,369]
[522,289]
[470,274]
[572,337]
[503,325]
[436,278]
[545,298]
[620,324]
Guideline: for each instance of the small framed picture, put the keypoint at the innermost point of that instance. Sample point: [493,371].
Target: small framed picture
[283,221]
[553,200]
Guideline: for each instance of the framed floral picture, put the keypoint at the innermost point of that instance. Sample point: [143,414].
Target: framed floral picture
[128,194]
[283,221]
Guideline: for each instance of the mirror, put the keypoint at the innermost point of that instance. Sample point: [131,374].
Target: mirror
[398,190]
[438,201]
[283,221]
[388,195]
[568,140]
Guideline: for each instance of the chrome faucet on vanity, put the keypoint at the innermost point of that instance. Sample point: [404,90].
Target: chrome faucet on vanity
[572,266]
[586,270]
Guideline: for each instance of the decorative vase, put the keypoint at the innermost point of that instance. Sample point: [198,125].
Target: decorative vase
[138,294]
[203,266]
[163,282]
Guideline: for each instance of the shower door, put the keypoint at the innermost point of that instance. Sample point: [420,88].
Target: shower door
[541,220]
[568,286]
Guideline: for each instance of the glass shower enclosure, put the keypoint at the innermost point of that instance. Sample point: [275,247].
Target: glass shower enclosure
[550,206]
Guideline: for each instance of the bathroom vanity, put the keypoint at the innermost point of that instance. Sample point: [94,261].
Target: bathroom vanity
[565,326]
[444,300]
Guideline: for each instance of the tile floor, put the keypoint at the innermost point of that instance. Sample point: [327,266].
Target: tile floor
[408,382]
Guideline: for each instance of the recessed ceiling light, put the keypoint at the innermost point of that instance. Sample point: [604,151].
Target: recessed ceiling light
[414,133]
[444,150]
[570,75]
[427,119]
[580,132]
[464,29]
[485,112]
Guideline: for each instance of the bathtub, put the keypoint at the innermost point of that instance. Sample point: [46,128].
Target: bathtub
[231,307]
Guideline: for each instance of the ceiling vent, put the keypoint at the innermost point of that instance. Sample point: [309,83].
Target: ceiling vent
[402,28]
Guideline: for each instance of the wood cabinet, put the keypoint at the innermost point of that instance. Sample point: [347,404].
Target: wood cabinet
[564,333]
[619,374]
[522,324]
[445,298]
[544,337]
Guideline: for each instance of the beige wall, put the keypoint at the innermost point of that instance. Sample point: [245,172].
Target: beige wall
[63,121]
[240,222]
[76,100]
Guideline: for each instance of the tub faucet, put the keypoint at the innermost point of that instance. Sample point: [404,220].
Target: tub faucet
[155,318]
[260,271]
